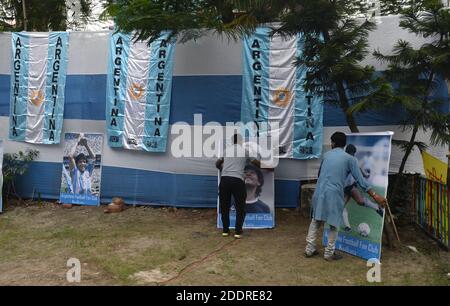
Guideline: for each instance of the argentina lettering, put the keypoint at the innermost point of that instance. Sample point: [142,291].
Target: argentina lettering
[17,45]
[118,49]
[37,87]
[54,81]
[273,93]
[257,89]
[139,92]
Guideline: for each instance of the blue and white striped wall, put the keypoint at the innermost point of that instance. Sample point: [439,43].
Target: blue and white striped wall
[207,81]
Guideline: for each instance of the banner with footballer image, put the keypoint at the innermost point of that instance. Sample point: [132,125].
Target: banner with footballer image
[363,219]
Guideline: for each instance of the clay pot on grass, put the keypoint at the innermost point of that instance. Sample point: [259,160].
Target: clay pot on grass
[117,205]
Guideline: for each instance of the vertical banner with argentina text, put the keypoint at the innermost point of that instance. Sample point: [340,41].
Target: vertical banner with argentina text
[274,101]
[139,92]
[38,78]
[362,219]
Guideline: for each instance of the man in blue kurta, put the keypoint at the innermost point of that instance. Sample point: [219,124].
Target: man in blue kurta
[328,199]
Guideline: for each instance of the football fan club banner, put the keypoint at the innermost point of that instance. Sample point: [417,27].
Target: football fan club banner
[139,92]
[363,219]
[273,93]
[38,80]
[260,202]
[81,169]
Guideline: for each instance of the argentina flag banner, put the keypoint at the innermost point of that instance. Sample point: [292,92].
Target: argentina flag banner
[38,78]
[273,97]
[139,92]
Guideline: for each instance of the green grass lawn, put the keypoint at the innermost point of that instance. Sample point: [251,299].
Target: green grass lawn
[154,246]
[361,214]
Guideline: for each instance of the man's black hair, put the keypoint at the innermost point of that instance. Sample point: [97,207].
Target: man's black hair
[80,157]
[235,138]
[350,149]
[259,174]
[339,139]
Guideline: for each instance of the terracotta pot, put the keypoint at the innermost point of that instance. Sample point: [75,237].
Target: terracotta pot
[67,205]
[114,208]
[118,201]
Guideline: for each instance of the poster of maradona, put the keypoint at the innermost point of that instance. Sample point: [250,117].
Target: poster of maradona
[81,169]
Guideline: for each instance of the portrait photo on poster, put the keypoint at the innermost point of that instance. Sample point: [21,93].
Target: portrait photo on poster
[81,169]
[260,200]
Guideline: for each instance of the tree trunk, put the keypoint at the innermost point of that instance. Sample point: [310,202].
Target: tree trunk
[351,123]
[404,160]
[25,20]
[392,241]
[408,149]
[343,100]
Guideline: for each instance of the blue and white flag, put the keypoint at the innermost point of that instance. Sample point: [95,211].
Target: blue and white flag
[139,92]
[38,80]
[273,96]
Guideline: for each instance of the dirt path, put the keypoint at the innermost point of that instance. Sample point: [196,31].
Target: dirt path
[149,246]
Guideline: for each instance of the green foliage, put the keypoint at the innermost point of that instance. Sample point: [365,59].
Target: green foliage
[41,15]
[332,54]
[404,144]
[401,204]
[184,18]
[16,164]
[335,41]
[417,73]
[392,7]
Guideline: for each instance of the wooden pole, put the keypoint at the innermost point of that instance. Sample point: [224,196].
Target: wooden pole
[25,20]
[393,222]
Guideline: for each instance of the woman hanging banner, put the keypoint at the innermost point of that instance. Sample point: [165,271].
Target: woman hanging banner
[138,92]
[38,80]
[273,92]
[362,221]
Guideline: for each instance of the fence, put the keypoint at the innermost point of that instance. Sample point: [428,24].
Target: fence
[432,208]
